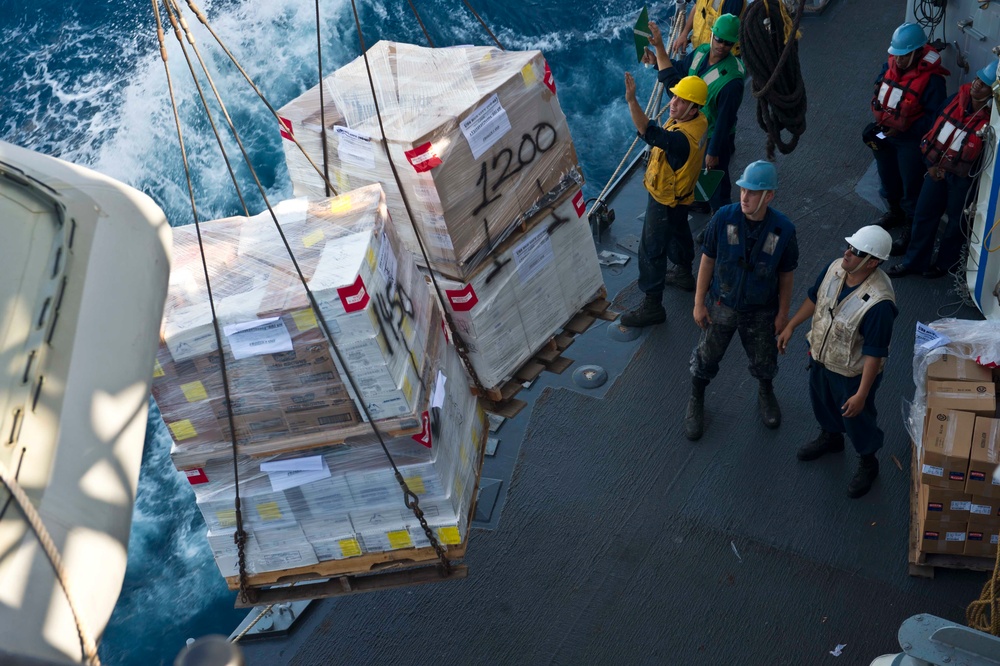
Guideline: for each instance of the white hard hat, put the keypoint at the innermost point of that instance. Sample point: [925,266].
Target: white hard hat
[872,239]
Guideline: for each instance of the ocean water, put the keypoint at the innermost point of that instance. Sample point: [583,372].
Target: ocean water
[84,82]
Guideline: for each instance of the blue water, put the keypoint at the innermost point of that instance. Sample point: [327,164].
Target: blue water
[83,81]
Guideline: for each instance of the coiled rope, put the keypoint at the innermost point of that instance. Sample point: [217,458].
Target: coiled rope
[87,645]
[984,613]
[771,56]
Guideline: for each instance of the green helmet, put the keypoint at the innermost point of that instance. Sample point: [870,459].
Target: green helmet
[727,28]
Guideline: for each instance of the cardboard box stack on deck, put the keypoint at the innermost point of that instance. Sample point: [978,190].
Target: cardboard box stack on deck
[488,167]
[958,501]
[289,394]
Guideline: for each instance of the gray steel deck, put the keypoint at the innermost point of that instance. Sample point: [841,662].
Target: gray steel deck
[618,539]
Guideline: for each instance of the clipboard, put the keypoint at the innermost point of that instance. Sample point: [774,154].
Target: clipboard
[641,34]
[708,182]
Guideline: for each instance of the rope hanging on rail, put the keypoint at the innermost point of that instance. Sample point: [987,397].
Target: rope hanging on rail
[770,50]
[984,613]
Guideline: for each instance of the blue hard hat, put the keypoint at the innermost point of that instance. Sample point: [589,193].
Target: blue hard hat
[908,37]
[988,74]
[759,175]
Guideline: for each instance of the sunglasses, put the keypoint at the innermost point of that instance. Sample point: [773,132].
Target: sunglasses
[722,41]
[856,252]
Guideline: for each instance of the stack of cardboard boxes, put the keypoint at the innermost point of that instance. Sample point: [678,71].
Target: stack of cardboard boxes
[958,500]
[305,501]
[490,173]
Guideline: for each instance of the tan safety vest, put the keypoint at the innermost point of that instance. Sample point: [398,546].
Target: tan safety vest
[834,339]
[670,187]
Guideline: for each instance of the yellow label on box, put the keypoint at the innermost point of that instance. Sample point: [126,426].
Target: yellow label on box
[342,183]
[407,389]
[226,518]
[416,484]
[304,319]
[182,430]
[528,73]
[194,391]
[269,511]
[157,370]
[349,547]
[399,539]
[449,535]
[407,328]
[459,486]
[463,454]
[370,257]
[341,204]
[313,238]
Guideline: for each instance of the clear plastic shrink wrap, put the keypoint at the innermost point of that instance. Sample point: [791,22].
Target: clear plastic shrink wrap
[343,501]
[530,287]
[477,136]
[288,390]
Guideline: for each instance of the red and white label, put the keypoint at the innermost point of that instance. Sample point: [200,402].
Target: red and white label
[424,436]
[579,204]
[462,300]
[548,80]
[422,158]
[196,476]
[355,297]
[286,128]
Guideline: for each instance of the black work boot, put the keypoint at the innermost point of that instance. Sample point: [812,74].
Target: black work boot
[694,418]
[681,278]
[900,245]
[894,218]
[827,442]
[770,412]
[650,312]
[864,477]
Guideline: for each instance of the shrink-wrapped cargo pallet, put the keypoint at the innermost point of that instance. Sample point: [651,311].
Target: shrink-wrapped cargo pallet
[309,513]
[288,390]
[476,134]
[526,292]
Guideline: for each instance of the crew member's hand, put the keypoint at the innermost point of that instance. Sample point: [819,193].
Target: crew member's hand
[853,406]
[889,131]
[648,57]
[629,88]
[784,337]
[679,45]
[711,161]
[780,323]
[936,173]
[701,315]
[655,36]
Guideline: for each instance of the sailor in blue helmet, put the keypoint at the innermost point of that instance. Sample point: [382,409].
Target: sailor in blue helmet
[852,305]
[909,92]
[744,286]
[952,151]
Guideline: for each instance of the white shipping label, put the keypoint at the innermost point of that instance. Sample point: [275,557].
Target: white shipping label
[437,398]
[387,264]
[960,505]
[263,336]
[955,536]
[933,471]
[485,126]
[533,254]
[982,509]
[355,148]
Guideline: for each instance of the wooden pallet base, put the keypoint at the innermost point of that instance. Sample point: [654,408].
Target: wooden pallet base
[501,399]
[920,564]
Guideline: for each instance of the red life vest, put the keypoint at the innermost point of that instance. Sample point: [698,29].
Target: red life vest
[896,103]
[952,143]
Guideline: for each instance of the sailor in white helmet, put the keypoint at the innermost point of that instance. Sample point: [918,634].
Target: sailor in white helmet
[852,306]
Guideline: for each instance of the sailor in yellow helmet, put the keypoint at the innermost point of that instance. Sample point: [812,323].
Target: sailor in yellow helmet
[674,163]
[700,20]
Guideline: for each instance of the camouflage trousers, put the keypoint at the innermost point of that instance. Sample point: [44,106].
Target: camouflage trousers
[756,331]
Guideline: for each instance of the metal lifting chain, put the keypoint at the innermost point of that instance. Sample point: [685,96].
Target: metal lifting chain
[87,646]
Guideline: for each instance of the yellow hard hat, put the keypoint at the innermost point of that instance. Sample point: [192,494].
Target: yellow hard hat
[693,89]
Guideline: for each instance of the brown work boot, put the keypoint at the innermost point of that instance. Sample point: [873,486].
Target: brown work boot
[649,313]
